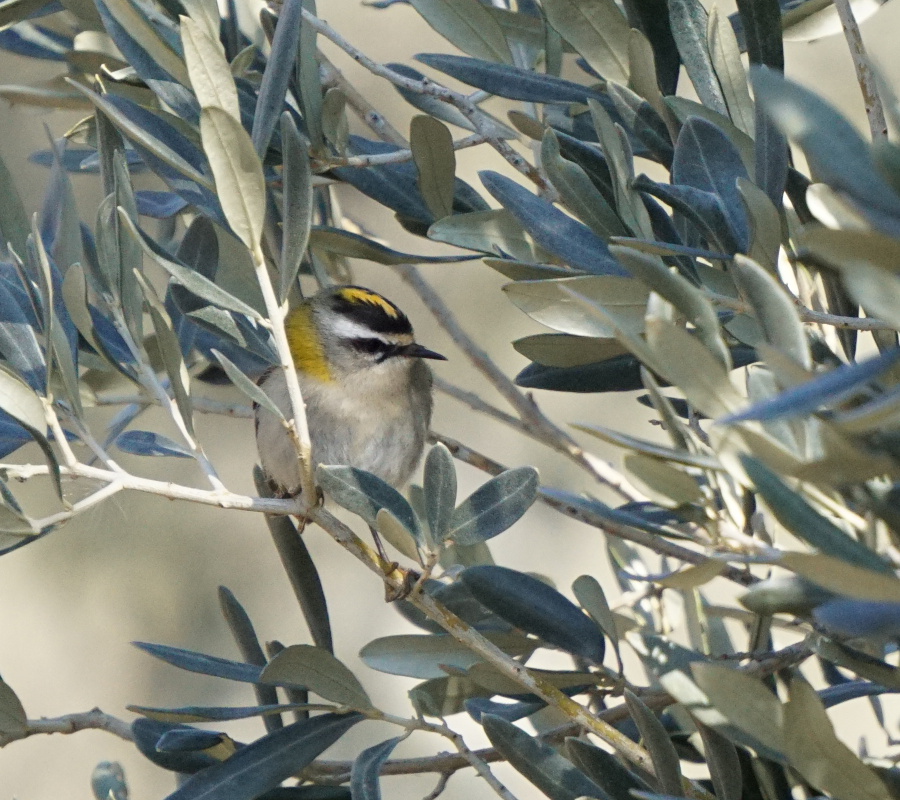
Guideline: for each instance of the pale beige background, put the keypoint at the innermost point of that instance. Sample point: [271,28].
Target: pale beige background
[143,568]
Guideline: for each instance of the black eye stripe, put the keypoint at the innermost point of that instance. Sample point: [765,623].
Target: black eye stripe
[373,345]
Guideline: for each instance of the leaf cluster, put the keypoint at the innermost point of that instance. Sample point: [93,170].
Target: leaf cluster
[669,246]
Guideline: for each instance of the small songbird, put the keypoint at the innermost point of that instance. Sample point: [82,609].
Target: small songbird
[366,388]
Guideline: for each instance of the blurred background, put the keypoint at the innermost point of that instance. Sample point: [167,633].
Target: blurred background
[144,568]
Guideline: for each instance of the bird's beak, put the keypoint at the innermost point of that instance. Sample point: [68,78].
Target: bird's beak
[417,351]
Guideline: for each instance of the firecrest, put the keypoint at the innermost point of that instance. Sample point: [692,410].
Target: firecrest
[365,384]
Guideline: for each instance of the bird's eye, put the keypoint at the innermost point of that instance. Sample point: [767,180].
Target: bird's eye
[371,345]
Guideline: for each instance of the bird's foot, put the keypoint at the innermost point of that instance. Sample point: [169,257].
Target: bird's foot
[394,593]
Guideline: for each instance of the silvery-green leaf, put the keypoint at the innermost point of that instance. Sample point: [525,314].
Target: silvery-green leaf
[655,738]
[364,773]
[762,24]
[510,82]
[547,302]
[440,490]
[688,364]
[468,25]
[396,534]
[597,29]
[134,20]
[814,750]
[563,236]
[14,224]
[308,78]
[238,173]
[592,598]
[335,126]
[801,519]
[832,387]
[199,284]
[689,300]
[853,618]
[298,199]
[605,769]
[199,662]
[706,159]
[493,507]
[845,578]
[577,190]
[556,776]
[148,443]
[211,713]
[425,656]
[247,386]
[353,245]
[629,205]
[689,22]
[774,309]
[749,713]
[277,75]
[675,485]
[21,402]
[140,135]
[209,72]
[170,352]
[652,449]
[784,594]
[244,634]
[108,781]
[727,65]
[147,735]
[365,494]
[537,608]
[642,120]
[315,669]
[435,159]
[13,719]
[300,568]
[723,761]
[265,763]
[765,225]
[487,231]
[565,350]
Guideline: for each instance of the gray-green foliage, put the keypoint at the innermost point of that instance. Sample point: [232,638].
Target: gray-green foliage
[727,277]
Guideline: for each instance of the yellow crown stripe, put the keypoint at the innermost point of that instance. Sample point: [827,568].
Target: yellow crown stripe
[354,295]
[306,349]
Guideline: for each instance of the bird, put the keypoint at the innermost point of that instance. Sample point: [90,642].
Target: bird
[365,384]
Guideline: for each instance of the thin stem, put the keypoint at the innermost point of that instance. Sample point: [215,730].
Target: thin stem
[171,491]
[395,157]
[95,447]
[439,787]
[431,89]
[151,382]
[73,723]
[204,405]
[808,315]
[458,742]
[477,403]
[539,426]
[58,434]
[357,101]
[297,427]
[864,74]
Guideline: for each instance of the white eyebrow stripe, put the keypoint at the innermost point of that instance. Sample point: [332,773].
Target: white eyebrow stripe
[348,329]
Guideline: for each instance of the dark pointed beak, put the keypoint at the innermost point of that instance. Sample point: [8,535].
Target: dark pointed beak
[417,351]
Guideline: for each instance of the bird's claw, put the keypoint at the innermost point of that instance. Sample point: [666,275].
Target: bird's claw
[394,593]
